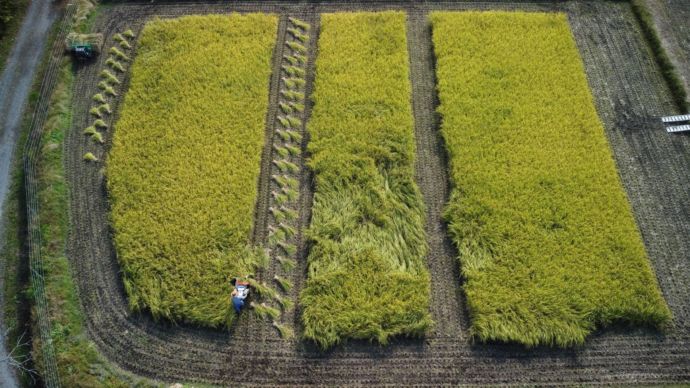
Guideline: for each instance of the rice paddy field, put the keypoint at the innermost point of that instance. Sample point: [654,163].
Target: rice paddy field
[183,168]
[451,193]
[366,273]
[546,238]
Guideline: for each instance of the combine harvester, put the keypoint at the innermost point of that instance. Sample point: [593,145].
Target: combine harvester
[680,123]
[83,46]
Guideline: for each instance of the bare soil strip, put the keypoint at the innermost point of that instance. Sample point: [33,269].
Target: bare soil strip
[653,165]
[431,173]
[671,21]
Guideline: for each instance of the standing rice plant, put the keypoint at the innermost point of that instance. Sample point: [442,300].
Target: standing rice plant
[96,112]
[129,34]
[125,45]
[118,37]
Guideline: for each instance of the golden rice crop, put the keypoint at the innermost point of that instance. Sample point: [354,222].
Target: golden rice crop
[547,240]
[183,169]
[367,278]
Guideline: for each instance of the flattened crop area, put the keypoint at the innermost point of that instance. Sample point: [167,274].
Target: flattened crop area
[366,277]
[628,93]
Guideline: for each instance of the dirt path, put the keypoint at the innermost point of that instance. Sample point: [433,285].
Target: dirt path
[671,18]
[431,173]
[628,92]
[15,85]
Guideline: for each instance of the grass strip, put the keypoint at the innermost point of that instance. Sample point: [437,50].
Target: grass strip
[184,165]
[367,278]
[668,71]
[547,240]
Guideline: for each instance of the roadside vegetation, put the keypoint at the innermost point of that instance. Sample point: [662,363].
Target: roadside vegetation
[366,273]
[668,70]
[183,169]
[548,244]
[11,15]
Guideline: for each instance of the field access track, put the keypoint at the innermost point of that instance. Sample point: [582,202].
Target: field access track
[629,94]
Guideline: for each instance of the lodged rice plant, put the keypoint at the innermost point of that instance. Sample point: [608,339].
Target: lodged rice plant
[547,240]
[185,160]
[367,277]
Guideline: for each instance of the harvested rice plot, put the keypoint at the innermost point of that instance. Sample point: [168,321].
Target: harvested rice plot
[548,244]
[366,273]
[183,168]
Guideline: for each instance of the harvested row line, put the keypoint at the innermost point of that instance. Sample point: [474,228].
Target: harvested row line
[106,98]
[185,160]
[546,237]
[366,273]
[283,227]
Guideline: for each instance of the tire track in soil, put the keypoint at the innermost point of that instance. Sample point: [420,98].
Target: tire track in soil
[614,55]
[431,172]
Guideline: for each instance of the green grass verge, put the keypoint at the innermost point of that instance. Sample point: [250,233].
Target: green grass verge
[79,363]
[367,278]
[547,240]
[669,72]
[11,15]
[184,165]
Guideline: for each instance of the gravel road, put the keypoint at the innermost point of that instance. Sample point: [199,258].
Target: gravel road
[15,85]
